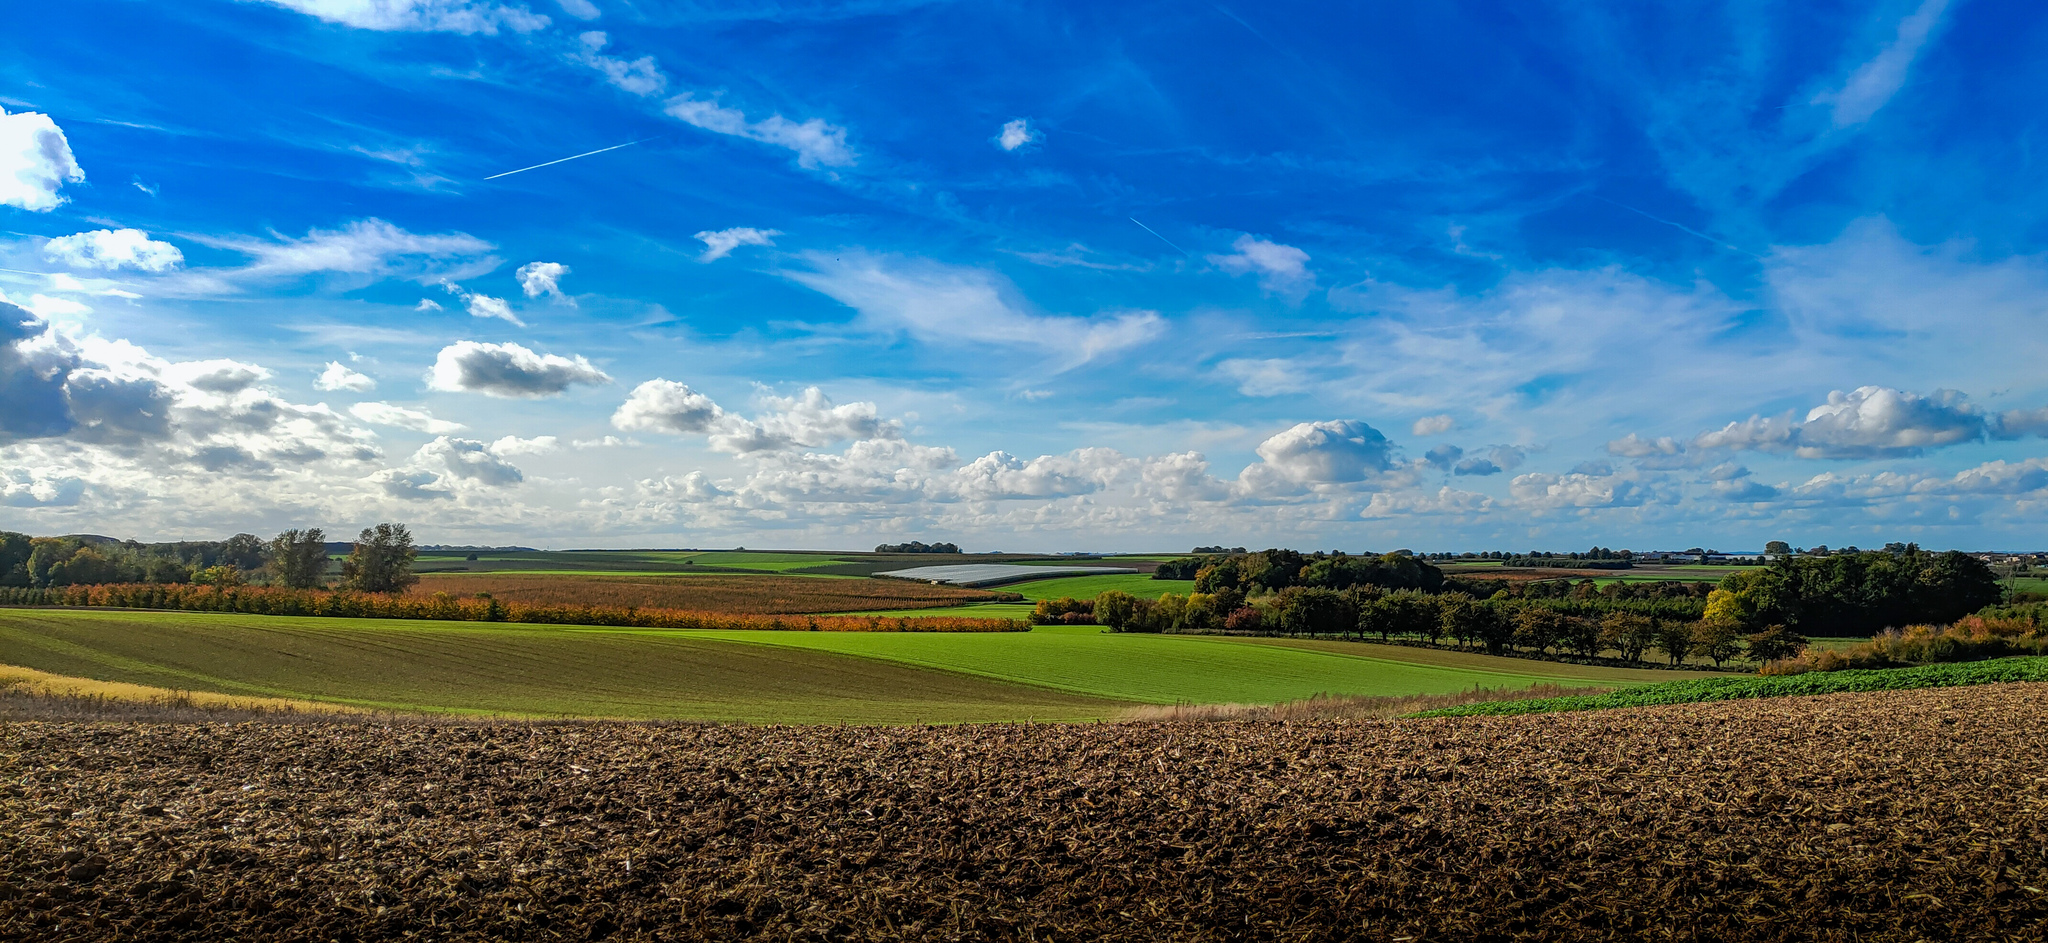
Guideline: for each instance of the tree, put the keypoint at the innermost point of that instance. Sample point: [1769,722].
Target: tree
[242,551]
[1716,640]
[1116,609]
[1775,642]
[14,551]
[1581,634]
[1628,633]
[299,557]
[1675,639]
[1538,627]
[381,561]
[1777,547]
[1315,611]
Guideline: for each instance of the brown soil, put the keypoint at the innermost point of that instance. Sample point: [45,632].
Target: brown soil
[1888,816]
[737,594]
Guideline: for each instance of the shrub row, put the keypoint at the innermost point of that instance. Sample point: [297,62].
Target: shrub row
[278,601]
[1993,633]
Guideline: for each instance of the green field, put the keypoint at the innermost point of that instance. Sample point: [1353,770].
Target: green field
[1694,691]
[1063,673]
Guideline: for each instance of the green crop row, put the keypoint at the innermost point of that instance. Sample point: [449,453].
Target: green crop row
[1728,689]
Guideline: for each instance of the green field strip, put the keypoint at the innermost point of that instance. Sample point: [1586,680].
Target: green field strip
[1156,669]
[478,668]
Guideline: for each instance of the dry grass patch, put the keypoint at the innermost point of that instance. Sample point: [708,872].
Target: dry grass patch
[764,595]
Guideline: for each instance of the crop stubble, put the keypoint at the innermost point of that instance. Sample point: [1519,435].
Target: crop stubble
[1894,815]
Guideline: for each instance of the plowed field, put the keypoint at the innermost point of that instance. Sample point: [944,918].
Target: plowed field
[1889,816]
[708,593]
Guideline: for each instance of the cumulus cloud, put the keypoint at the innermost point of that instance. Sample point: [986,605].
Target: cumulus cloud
[340,378]
[1282,269]
[418,420]
[443,16]
[35,161]
[667,406]
[508,371]
[542,278]
[152,414]
[941,303]
[1539,491]
[514,445]
[815,141]
[1330,452]
[113,249]
[719,243]
[580,9]
[369,247]
[217,376]
[1443,456]
[1434,425]
[1016,134]
[1867,422]
[807,420]
[1478,466]
[428,306]
[640,76]
[1000,476]
[1876,81]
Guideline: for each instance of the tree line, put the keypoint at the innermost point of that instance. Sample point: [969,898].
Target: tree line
[1765,614]
[380,561]
[917,546]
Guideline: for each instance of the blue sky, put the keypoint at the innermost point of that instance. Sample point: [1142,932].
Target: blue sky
[1027,277]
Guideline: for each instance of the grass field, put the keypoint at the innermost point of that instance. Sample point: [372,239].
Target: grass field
[789,677]
[1994,671]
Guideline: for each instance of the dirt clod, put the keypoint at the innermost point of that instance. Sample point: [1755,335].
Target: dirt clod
[1887,816]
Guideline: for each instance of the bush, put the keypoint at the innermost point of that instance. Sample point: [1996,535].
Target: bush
[1971,638]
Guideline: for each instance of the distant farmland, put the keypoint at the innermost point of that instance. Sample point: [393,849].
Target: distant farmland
[710,592]
[1053,673]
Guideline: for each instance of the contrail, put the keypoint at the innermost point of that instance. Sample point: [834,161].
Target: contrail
[572,157]
[1680,227]
[1161,238]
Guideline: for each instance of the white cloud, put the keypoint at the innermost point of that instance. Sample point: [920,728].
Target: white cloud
[1867,422]
[217,376]
[1539,491]
[508,371]
[35,161]
[340,378]
[458,461]
[1635,446]
[369,247]
[514,445]
[1271,376]
[1434,425]
[640,76]
[719,243]
[1016,134]
[938,303]
[1282,269]
[542,278]
[1000,476]
[485,306]
[814,141]
[120,412]
[602,442]
[445,16]
[580,9]
[428,305]
[667,406]
[1876,81]
[807,420]
[1331,452]
[113,249]
[418,420]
